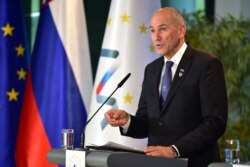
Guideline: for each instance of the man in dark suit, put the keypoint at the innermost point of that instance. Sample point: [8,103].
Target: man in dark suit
[193,116]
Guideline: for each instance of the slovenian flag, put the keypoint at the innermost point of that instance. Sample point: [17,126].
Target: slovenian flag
[126,48]
[59,83]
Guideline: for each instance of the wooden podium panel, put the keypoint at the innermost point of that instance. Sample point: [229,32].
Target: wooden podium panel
[104,158]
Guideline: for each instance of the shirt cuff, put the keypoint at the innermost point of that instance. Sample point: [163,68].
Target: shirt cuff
[126,126]
[176,150]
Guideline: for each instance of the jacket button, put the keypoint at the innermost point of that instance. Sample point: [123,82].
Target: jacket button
[160,123]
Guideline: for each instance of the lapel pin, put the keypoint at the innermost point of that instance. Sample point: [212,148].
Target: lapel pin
[181,72]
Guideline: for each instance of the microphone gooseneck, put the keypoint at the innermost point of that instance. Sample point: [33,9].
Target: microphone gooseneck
[118,86]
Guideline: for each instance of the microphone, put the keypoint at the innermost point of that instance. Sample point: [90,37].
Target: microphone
[118,86]
[123,81]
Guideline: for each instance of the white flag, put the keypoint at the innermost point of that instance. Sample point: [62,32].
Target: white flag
[127,48]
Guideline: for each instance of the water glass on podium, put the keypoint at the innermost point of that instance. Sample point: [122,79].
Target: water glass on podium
[232,151]
[67,138]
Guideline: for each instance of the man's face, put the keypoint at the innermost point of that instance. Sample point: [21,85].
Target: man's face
[165,34]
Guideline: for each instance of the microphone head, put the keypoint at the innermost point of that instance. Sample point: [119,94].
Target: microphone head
[124,80]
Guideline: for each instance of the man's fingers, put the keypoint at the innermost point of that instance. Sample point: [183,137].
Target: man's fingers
[150,149]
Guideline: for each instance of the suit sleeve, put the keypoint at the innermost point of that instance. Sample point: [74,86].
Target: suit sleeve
[213,104]
[139,124]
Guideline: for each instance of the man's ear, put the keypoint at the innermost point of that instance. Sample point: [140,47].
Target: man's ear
[182,31]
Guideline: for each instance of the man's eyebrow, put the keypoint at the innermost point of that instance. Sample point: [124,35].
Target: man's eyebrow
[162,25]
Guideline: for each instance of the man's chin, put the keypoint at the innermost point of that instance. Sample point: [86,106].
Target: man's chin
[160,53]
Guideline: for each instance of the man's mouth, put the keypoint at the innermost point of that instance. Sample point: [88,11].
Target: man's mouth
[158,46]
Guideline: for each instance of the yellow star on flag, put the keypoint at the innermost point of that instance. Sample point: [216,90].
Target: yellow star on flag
[143,29]
[7,30]
[20,50]
[109,21]
[125,18]
[151,48]
[128,98]
[21,74]
[12,95]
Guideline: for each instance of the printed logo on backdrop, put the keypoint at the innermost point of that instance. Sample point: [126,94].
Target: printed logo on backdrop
[108,53]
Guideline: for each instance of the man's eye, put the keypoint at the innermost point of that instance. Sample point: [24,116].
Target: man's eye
[163,29]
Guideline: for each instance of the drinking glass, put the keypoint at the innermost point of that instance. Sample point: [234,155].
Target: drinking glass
[67,138]
[232,151]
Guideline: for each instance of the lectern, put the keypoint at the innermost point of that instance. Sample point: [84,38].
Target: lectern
[106,158]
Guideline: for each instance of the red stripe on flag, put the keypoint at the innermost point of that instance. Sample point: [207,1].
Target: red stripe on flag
[99,88]
[32,143]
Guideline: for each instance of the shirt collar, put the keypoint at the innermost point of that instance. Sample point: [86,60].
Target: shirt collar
[178,55]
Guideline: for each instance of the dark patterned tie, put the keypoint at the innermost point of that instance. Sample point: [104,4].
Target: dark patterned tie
[166,80]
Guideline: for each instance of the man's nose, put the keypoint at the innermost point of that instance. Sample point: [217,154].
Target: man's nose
[157,36]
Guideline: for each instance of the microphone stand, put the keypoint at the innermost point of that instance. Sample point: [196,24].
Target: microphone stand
[118,86]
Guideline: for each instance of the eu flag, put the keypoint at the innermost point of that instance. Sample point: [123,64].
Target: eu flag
[13,64]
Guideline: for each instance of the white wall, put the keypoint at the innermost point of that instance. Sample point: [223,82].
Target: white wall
[233,7]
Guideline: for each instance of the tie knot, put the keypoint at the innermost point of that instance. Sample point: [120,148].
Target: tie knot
[169,64]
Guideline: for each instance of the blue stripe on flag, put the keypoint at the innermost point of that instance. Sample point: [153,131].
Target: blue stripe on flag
[109,53]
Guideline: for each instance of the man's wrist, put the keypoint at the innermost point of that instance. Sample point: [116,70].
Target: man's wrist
[175,150]
[126,126]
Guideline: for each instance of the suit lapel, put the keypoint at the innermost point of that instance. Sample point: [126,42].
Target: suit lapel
[180,75]
[156,80]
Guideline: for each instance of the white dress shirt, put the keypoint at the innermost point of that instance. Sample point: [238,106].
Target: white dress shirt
[176,60]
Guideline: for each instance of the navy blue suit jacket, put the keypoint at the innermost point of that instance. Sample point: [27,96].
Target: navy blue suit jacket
[194,115]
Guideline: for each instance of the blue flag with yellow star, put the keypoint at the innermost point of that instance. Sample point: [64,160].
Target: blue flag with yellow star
[13,64]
